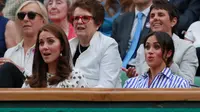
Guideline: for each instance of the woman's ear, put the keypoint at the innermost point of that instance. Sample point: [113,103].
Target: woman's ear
[169,54]
[173,22]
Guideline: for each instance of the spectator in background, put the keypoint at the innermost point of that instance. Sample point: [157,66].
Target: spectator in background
[57,12]
[95,54]
[164,17]
[8,32]
[189,12]
[112,11]
[127,6]
[159,51]
[193,35]
[30,17]
[11,7]
[52,67]
[125,26]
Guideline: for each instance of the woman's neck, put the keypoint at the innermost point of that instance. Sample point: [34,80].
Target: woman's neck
[52,68]
[64,24]
[154,71]
[85,42]
[28,43]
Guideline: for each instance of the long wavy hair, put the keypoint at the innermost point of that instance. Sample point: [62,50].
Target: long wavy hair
[40,68]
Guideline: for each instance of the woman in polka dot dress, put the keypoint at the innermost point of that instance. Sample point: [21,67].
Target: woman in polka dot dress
[52,65]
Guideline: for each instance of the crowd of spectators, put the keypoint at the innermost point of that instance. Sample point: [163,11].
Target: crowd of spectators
[93,43]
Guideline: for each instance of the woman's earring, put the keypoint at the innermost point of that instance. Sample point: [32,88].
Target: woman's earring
[60,54]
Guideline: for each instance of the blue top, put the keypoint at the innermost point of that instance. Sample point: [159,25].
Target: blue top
[3,22]
[164,79]
[106,27]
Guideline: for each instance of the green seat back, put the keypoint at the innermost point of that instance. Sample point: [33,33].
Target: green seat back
[123,77]
[197,80]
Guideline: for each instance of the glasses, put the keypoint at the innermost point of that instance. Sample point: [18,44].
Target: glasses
[31,15]
[84,19]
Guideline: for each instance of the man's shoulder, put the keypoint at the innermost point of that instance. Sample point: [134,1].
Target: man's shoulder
[125,16]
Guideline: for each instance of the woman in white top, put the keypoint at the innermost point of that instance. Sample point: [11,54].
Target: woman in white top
[95,54]
[193,34]
[30,17]
[52,67]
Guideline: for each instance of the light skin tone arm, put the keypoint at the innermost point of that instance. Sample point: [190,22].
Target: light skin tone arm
[10,34]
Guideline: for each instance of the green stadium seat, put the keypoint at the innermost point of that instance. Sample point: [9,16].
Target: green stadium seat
[197,80]
[123,77]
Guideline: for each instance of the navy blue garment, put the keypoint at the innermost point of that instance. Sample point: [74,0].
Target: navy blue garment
[3,22]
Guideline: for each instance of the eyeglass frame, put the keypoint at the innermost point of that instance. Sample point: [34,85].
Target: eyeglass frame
[27,13]
[81,17]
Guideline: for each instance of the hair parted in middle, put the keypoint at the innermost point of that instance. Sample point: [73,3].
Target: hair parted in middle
[166,44]
[40,68]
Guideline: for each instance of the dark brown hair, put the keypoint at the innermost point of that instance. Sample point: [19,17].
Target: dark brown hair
[40,68]
[166,44]
[170,8]
[92,6]
[127,5]
[112,7]
[2,4]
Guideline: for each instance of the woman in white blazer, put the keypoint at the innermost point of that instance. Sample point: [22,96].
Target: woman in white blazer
[95,54]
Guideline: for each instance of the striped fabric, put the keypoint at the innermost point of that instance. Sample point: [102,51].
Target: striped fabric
[164,79]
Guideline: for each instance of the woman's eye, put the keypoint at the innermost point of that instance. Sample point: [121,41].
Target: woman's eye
[147,47]
[157,47]
[85,18]
[50,3]
[76,18]
[50,41]
[58,2]
[41,43]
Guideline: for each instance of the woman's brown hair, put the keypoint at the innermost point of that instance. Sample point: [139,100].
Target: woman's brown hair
[112,7]
[40,68]
[127,5]
[92,6]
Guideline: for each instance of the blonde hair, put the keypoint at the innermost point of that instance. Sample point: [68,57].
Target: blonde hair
[42,9]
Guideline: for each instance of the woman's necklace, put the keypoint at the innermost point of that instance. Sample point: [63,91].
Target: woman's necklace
[79,48]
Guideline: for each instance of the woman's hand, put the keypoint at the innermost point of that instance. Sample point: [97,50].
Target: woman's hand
[5,60]
[130,72]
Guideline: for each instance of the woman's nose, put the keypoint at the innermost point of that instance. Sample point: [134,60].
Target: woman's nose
[79,20]
[155,17]
[53,5]
[45,46]
[150,51]
[26,17]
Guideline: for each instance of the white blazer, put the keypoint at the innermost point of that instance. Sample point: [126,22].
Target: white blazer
[185,61]
[100,63]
